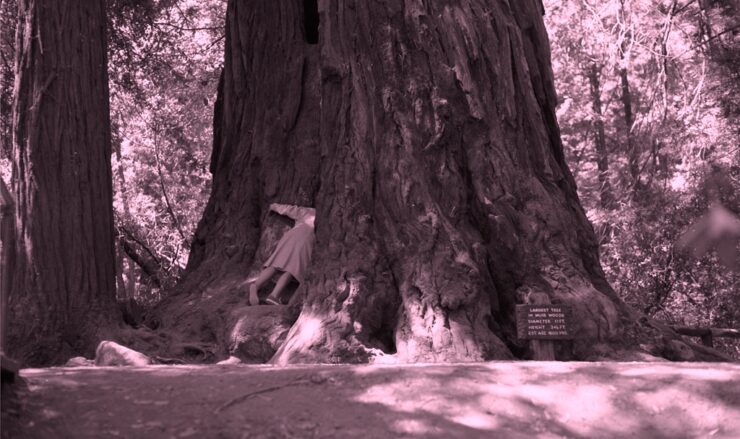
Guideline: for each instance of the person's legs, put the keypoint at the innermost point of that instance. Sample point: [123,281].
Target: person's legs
[280,285]
[263,277]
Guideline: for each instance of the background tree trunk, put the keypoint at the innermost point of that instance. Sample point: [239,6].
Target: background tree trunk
[64,285]
[442,194]
[633,147]
[602,155]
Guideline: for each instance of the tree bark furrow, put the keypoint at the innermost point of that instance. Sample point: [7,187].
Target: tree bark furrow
[424,133]
[63,293]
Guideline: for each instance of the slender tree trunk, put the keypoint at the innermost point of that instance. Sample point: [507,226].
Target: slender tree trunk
[664,61]
[123,187]
[122,287]
[64,285]
[165,195]
[706,33]
[602,155]
[143,256]
[633,147]
[424,133]
[126,264]
[130,278]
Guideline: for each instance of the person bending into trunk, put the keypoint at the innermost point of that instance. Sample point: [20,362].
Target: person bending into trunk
[291,256]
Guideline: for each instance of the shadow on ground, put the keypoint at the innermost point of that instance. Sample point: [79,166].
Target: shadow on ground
[512,400]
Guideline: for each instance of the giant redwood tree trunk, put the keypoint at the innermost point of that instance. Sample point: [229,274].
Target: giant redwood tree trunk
[63,286]
[424,133]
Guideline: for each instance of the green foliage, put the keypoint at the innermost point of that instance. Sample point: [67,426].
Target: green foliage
[164,61]
[8,14]
[680,62]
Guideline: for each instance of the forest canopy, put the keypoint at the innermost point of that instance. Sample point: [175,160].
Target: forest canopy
[649,114]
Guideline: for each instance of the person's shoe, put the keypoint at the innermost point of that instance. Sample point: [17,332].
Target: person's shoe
[231,360]
[271,301]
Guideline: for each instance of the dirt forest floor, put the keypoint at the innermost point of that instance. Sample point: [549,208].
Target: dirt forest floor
[484,400]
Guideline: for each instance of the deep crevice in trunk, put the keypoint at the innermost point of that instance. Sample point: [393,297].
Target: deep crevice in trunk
[311,21]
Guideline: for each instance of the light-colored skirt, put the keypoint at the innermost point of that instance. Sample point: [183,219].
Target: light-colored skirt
[293,251]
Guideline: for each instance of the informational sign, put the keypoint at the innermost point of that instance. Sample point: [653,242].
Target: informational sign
[544,322]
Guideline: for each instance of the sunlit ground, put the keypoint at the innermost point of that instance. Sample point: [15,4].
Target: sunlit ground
[524,399]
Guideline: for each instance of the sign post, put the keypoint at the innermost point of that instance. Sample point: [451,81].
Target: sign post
[541,323]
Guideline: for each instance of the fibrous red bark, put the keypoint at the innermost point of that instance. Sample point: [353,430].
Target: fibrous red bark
[424,132]
[445,188]
[63,287]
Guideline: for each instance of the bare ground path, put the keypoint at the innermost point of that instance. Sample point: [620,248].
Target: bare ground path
[500,399]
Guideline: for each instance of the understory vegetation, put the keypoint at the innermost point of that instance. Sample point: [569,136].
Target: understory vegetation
[649,118]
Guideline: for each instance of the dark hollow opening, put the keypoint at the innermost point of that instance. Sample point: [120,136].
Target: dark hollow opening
[311,21]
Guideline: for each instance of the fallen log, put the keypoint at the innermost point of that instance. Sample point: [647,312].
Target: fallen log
[707,334]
